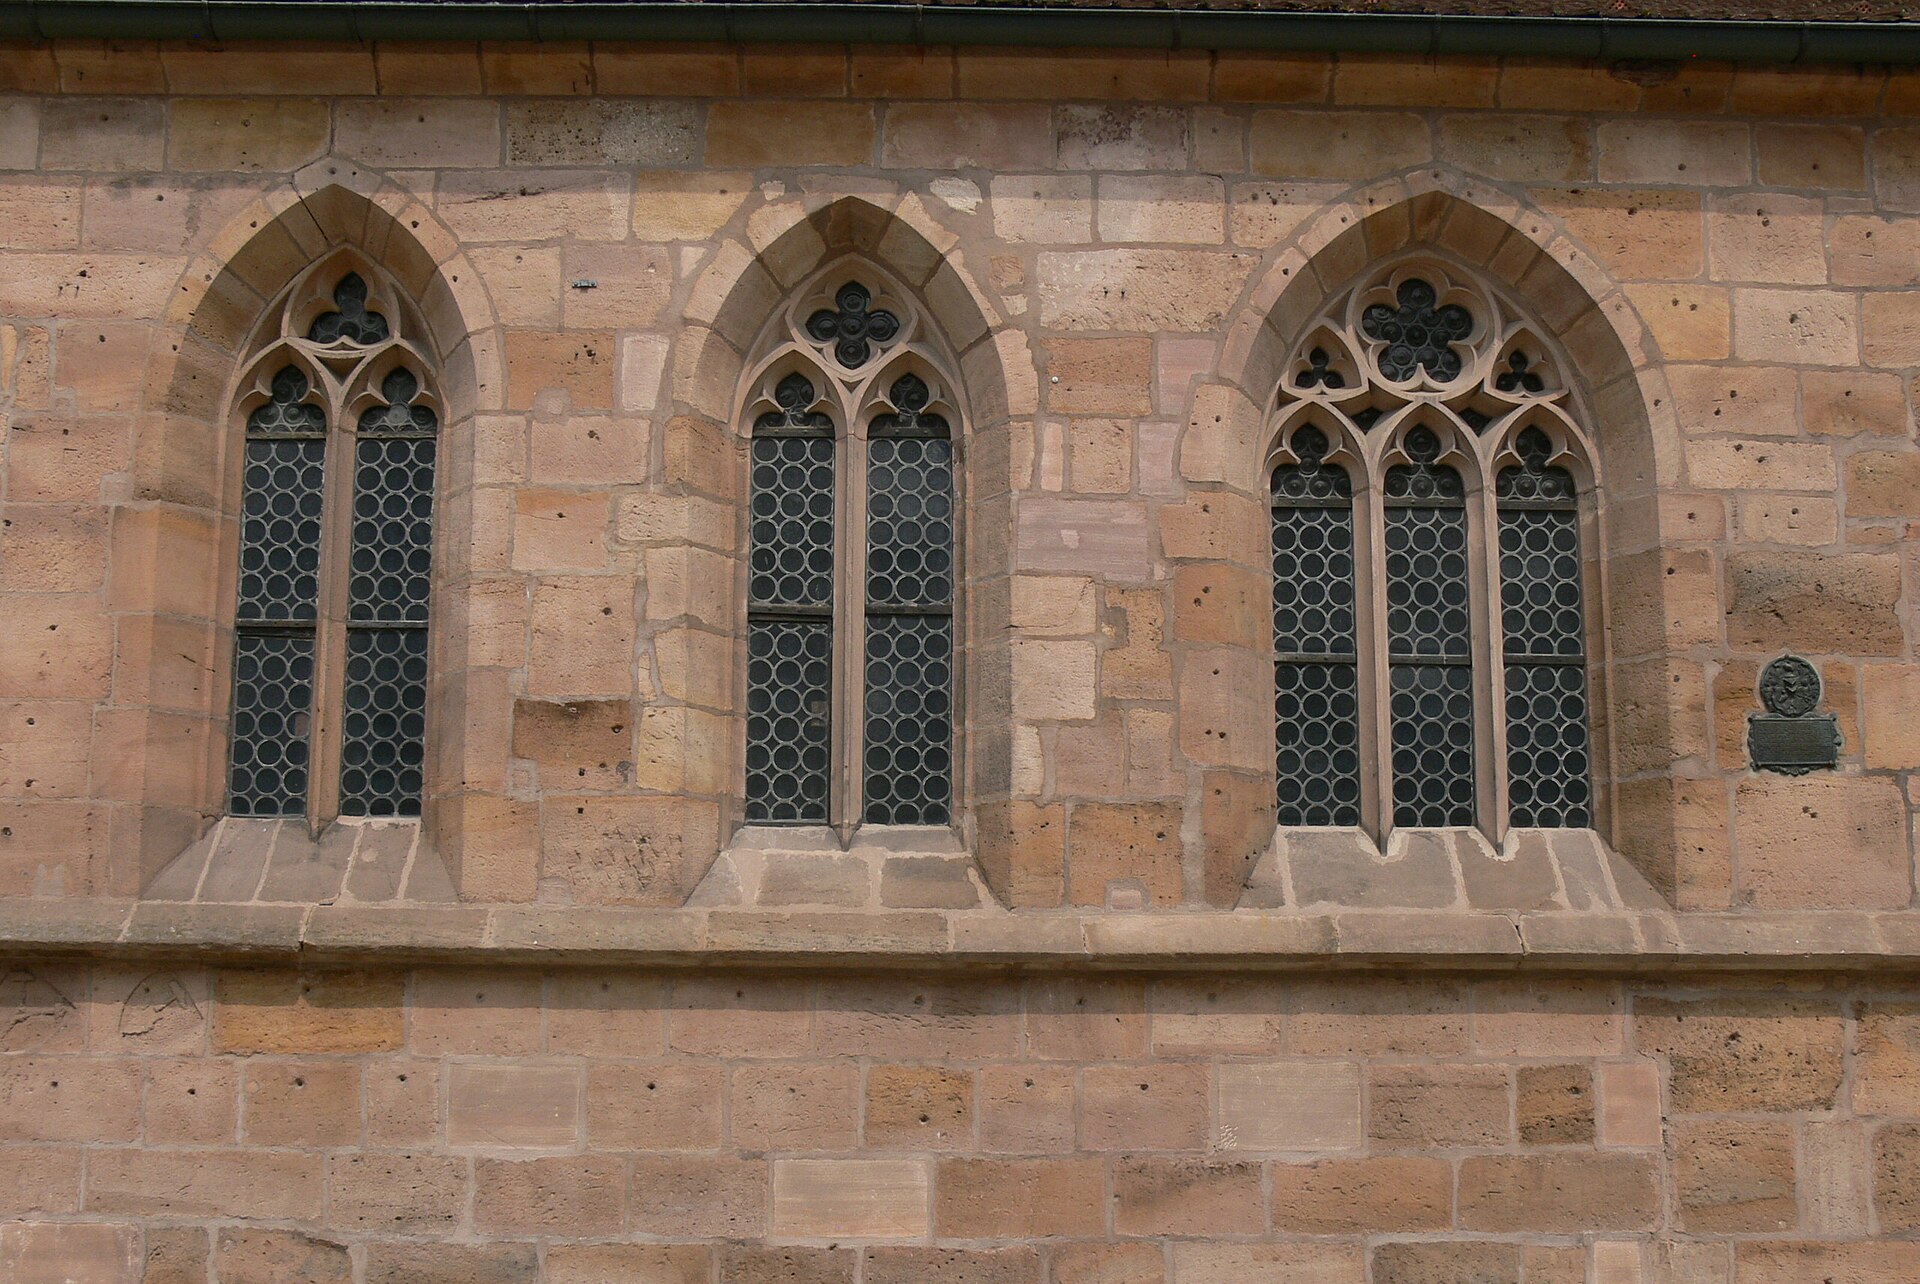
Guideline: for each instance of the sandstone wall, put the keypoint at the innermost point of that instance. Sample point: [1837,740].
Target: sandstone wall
[1119,248]
[483,1127]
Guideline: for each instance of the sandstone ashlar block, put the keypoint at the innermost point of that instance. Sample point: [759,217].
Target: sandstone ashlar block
[1288,1105]
[1165,1196]
[1734,1176]
[1787,828]
[1166,1106]
[765,132]
[247,134]
[1047,208]
[1439,1107]
[794,1106]
[1019,1198]
[1787,1054]
[857,1199]
[1099,376]
[1887,1080]
[1702,153]
[1808,327]
[1553,1192]
[500,1106]
[1161,209]
[1519,148]
[1380,1194]
[1689,322]
[405,1191]
[1336,145]
[71,1252]
[286,1012]
[1054,679]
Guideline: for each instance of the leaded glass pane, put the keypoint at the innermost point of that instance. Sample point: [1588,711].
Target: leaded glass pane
[284,491]
[909,522]
[392,572]
[271,720]
[383,743]
[909,725]
[1543,622]
[789,700]
[1316,710]
[1429,638]
[908,675]
[1316,678]
[793,501]
[351,320]
[1549,767]
[1432,717]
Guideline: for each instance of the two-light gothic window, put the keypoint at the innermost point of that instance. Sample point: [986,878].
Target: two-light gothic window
[1428,601]
[336,549]
[850,588]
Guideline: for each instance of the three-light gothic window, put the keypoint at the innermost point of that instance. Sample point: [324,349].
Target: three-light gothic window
[328,704]
[850,587]
[1428,586]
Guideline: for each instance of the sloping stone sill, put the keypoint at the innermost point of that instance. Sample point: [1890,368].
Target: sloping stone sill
[1617,942]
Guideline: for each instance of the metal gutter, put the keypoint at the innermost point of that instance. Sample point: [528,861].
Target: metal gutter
[1607,39]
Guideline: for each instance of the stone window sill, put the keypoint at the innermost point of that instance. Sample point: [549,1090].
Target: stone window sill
[1610,941]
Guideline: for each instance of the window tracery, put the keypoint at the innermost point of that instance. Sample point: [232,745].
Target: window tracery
[851,582]
[328,712]
[1436,424]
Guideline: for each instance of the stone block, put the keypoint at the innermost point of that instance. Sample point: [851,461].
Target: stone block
[1288,1105]
[1125,843]
[1887,1078]
[1734,1176]
[1695,153]
[1019,1199]
[1335,145]
[34,1252]
[1745,1053]
[1099,376]
[307,1012]
[1568,1193]
[309,1104]
[577,1195]
[1187,1197]
[1883,483]
[1154,1106]
[654,1105]
[795,1106]
[1824,603]
[1823,842]
[967,136]
[1047,208]
[1438,1107]
[1554,1104]
[765,132]
[260,1256]
[404,1191]
[513,1107]
[841,1199]
[1384,1194]
[416,1262]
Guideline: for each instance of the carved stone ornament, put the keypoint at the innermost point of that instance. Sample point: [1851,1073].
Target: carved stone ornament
[1790,737]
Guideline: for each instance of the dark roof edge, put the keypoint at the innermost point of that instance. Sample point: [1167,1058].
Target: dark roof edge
[1006,25]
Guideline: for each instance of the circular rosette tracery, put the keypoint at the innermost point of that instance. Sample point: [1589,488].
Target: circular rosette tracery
[1419,331]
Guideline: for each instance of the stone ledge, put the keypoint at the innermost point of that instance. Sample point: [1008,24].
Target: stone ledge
[1613,942]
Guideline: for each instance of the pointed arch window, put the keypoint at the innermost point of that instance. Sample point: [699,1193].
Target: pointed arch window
[852,568]
[328,706]
[1438,447]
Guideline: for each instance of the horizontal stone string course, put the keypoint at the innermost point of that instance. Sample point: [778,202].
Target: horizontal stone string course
[354,1124]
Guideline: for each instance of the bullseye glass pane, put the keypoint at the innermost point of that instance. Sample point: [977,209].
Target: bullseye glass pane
[383,742]
[1432,744]
[271,719]
[909,719]
[280,529]
[1549,753]
[793,499]
[1316,698]
[392,530]
[1316,711]
[789,698]
[909,522]
[1429,640]
[1549,767]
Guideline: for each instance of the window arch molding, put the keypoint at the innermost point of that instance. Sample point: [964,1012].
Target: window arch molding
[852,360]
[338,424]
[1443,405]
